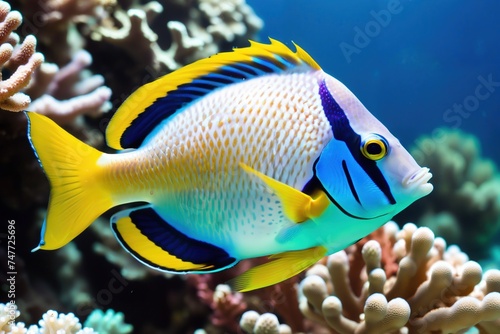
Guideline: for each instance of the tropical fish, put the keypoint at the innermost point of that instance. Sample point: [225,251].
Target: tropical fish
[250,153]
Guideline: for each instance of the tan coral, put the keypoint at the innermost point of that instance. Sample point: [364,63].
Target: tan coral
[380,316]
[229,19]
[465,313]
[55,11]
[137,38]
[227,306]
[208,25]
[436,290]
[21,60]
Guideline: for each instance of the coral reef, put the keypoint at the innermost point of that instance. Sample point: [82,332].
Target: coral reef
[435,290]
[226,306]
[54,23]
[136,38]
[393,281]
[200,33]
[65,93]
[464,207]
[138,41]
[21,60]
[67,10]
[60,93]
[54,322]
[254,323]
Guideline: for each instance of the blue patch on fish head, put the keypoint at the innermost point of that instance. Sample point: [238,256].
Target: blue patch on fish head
[365,174]
[358,189]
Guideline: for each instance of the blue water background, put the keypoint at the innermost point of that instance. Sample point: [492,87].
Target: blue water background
[418,61]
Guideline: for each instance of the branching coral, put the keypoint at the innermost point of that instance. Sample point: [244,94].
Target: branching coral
[435,289]
[68,92]
[27,83]
[393,281]
[57,11]
[189,40]
[8,313]
[21,60]
[254,323]
[54,322]
[137,38]
[83,93]
[51,322]
[109,322]
[280,298]
[54,22]
[465,204]
[62,94]
[228,20]
[226,306]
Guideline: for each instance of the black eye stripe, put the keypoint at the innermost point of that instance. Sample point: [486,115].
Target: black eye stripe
[343,131]
[349,181]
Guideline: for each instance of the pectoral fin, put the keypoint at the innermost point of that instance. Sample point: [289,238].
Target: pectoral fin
[297,206]
[281,267]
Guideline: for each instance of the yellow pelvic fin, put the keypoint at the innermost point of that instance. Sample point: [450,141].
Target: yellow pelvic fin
[297,206]
[76,199]
[281,267]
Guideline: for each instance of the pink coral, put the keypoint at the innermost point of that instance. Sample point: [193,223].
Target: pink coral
[69,92]
[227,306]
[22,60]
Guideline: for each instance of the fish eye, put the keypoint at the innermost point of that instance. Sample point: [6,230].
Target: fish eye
[374,147]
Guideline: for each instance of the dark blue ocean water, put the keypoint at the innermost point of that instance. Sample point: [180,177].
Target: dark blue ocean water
[416,65]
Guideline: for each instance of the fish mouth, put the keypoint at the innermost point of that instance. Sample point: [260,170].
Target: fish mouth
[418,182]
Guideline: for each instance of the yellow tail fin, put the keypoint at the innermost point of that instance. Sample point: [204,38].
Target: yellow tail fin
[76,197]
